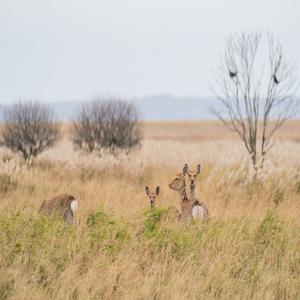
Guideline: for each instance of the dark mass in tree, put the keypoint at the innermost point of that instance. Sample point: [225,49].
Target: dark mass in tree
[275,79]
[232,74]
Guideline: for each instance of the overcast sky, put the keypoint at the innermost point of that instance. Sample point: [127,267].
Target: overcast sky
[70,49]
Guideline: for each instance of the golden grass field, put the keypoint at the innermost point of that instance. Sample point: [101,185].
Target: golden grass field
[249,248]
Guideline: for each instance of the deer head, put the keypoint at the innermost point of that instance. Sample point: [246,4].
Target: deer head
[192,174]
[152,195]
[178,183]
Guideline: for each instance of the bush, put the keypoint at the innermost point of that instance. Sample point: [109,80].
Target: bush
[105,232]
[107,125]
[28,128]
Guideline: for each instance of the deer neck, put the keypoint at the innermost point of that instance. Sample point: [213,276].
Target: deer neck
[192,191]
[185,205]
[182,196]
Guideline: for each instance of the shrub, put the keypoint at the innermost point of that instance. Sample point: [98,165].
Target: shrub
[107,125]
[106,232]
[28,128]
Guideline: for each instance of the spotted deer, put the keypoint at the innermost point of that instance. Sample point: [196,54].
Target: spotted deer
[178,184]
[199,209]
[64,206]
[152,195]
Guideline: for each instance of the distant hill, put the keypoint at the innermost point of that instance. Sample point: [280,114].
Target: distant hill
[151,108]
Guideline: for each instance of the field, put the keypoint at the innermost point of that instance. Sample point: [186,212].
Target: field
[248,249]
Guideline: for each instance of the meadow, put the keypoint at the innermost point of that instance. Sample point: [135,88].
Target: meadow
[120,249]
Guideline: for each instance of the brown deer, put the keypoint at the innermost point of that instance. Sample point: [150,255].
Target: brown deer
[171,213]
[199,209]
[192,178]
[64,206]
[178,184]
[152,195]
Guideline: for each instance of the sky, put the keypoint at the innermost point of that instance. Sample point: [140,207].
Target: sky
[62,50]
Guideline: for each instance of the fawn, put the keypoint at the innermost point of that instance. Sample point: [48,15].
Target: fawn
[171,213]
[152,196]
[64,206]
[178,184]
[199,209]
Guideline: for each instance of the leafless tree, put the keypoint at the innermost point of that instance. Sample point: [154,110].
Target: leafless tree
[107,125]
[28,128]
[83,129]
[255,103]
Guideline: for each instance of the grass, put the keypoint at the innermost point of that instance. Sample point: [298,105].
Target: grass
[107,258]
[121,249]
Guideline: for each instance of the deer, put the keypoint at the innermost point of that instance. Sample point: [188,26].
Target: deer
[64,206]
[199,209]
[178,184]
[171,213]
[152,196]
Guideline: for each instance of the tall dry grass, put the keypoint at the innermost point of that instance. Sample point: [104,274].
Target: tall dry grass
[249,249]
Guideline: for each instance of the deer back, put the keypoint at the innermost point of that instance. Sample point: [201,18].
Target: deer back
[58,204]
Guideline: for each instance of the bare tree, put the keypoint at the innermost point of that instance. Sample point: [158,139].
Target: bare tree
[107,125]
[28,128]
[254,103]
[83,129]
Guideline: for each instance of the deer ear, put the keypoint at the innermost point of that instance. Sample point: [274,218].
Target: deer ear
[185,169]
[198,169]
[147,190]
[157,190]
